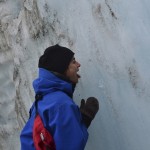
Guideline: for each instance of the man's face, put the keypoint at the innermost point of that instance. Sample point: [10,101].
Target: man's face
[72,70]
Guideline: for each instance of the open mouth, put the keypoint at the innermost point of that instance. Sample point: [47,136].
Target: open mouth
[78,75]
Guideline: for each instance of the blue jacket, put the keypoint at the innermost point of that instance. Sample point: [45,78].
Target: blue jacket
[59,113]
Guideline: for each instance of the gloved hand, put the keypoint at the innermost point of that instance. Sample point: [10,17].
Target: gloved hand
[89,109]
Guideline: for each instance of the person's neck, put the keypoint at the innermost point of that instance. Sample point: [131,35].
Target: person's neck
[63,77]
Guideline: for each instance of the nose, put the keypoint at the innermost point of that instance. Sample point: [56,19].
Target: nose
[78,64]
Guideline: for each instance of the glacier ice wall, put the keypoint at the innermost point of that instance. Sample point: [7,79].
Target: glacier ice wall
[111,41]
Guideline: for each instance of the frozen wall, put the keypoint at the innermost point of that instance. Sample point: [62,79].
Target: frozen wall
[111,41]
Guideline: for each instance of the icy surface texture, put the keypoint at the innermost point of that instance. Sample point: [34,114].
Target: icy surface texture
[111,40]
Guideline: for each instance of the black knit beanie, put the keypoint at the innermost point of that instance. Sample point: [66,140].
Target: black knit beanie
[56,58]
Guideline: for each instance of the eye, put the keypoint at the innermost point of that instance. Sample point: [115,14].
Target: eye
[73,61]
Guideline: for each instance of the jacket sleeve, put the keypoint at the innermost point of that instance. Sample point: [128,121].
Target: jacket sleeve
[68,131]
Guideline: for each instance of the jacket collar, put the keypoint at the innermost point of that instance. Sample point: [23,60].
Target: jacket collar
[48,82]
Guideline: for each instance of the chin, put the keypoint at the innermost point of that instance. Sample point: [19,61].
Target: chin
[75,81]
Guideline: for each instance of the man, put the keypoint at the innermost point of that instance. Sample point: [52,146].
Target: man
[64,120]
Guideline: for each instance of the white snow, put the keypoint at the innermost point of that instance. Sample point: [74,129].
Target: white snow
[111,41]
